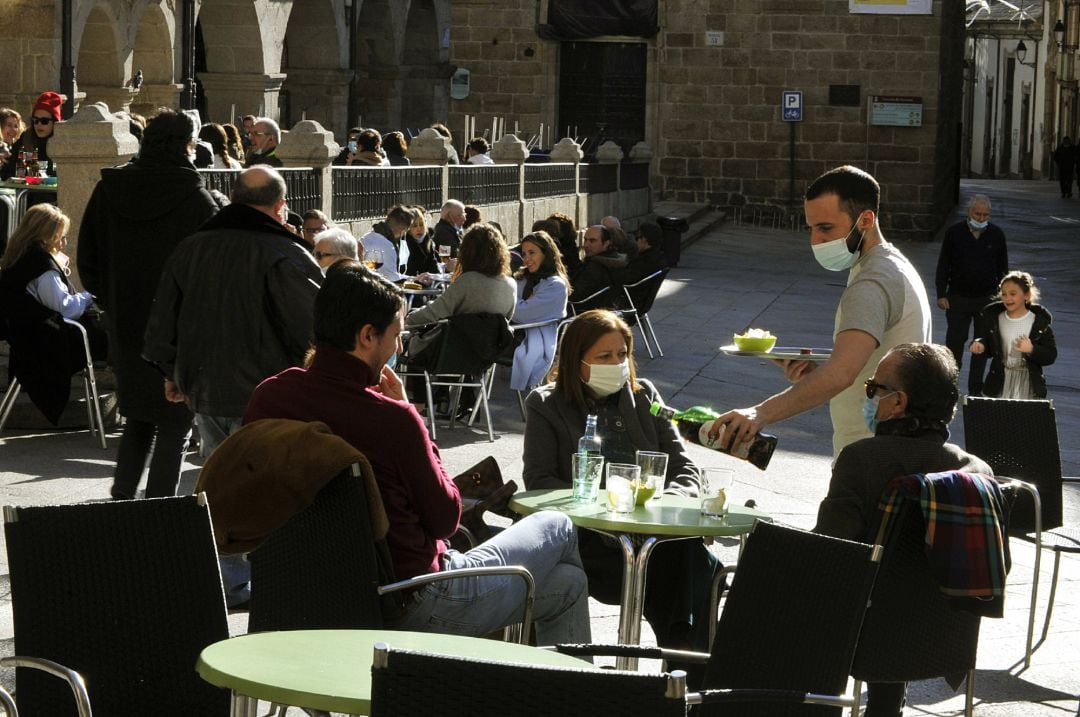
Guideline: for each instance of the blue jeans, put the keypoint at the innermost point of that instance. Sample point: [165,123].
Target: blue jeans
[544,543]
[235,569]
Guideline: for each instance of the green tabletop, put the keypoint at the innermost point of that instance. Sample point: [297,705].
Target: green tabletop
[672,515]
[32,187]
[331,669]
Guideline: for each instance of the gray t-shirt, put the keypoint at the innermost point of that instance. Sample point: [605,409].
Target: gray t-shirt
[886,298]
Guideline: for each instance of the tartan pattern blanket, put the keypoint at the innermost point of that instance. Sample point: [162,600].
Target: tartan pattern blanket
[964,535]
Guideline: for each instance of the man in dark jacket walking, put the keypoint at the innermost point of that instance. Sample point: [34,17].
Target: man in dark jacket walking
[234,307]
[135,218]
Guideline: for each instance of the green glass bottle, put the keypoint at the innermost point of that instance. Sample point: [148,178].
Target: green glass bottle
[693,425]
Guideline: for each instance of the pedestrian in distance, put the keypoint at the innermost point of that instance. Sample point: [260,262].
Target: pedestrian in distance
[1065,158]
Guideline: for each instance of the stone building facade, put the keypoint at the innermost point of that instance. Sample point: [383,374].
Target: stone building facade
[703,88]
[714,77]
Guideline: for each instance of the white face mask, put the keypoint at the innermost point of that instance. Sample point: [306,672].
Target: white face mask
[606,379]
[834,255]
[977,226]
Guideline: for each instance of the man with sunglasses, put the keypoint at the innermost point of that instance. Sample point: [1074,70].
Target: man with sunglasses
[909,402]
[43,119]
[884,304]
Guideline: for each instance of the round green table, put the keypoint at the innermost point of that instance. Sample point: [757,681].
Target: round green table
[673,517]
[331,669]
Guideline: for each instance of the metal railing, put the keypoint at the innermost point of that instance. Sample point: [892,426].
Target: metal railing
[549,180]
[634,175]
[369,192]
[303,185]
[484,184]
[599,178]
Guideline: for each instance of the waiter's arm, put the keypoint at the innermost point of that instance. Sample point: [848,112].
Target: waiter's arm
[851,351]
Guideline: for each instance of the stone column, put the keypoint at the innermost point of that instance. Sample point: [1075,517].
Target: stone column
[118,98]
[568,151]
[641,152]
[309,145]
[511,150]
[322,94]
[609,153]
[151,97]
[431,148]
[90,141]
[247,91]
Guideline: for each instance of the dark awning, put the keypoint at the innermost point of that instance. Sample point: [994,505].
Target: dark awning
[580,19]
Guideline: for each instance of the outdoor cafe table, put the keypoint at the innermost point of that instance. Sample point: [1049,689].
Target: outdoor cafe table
[17,206]
[673,517]
[331,669]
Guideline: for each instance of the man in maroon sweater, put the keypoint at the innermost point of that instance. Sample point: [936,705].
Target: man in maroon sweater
[358,322]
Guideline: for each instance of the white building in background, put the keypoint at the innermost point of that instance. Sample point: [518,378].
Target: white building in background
[1010,89]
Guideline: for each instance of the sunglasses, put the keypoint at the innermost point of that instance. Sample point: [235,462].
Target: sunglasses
[41,120]
[872,387]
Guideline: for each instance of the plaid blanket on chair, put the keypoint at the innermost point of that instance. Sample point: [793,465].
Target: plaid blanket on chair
[964,535]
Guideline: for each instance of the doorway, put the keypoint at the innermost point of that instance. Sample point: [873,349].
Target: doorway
[602,93]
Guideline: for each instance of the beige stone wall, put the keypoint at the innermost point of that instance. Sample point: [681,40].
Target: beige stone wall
[493,39]
[713,112]
[31,54]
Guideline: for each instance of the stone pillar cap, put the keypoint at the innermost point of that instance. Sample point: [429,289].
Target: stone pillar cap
[609,153]
[641,152]
[308,144]
[429,147]
[567,150]
[509,150]
[93,134]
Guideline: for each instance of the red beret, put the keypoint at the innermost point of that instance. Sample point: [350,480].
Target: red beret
[50,102]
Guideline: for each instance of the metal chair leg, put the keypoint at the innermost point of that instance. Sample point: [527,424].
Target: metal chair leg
[1053,593]
[856,691]
[656,341]
[9,401]
[96,398]
[430,405]
[969,694]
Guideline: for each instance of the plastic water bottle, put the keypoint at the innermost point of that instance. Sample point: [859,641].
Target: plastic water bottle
[589,442]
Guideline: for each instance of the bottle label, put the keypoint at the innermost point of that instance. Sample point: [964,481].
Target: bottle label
[718,444]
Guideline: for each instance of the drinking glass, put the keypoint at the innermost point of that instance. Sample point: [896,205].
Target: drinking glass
[715,487]
[622,485]
[653,473]
[374,259]
[587,470]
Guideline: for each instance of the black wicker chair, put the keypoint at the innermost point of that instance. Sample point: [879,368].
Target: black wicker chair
[1019,439]
[912,632]
[127,593]
[788,630]
[324,569]
[405,684]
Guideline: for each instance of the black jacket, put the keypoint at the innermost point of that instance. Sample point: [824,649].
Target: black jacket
[234,307]
[446,234]
[1043,353]
[970,266]
[136,217]
[595,273]
[7,171]
[423,256]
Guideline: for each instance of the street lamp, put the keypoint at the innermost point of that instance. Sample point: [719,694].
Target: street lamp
[1021,54]
[1059,33]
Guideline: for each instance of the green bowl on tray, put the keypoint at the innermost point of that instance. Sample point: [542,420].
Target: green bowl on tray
[754,343]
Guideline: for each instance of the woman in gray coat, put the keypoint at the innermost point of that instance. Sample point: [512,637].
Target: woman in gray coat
[595,375]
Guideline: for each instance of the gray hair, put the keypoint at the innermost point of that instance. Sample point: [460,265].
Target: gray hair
[274,128]
[452,204]
[341,242]
[979,199]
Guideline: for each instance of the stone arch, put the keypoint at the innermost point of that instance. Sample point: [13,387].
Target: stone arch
[243,42]
[315,59]
[153,48]
[425,73]
[376,97]
[100,64]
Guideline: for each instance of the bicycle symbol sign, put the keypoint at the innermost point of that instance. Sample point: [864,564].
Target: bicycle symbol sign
[792,106]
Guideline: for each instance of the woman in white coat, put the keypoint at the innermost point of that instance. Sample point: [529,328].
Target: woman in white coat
[542,288]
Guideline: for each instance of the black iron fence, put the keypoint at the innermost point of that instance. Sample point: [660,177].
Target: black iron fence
[549,180]
[484,184]
[303,185]
[368,192]
[599,178]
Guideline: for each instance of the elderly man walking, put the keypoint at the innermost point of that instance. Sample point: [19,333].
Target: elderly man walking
[234,306]
[972,261]
[883,305]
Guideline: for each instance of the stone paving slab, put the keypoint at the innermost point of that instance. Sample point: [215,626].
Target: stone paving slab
[735,277]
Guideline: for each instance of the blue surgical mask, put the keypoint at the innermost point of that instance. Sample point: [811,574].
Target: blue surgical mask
[834,255]
[869,411]
[977,226]
[392,362]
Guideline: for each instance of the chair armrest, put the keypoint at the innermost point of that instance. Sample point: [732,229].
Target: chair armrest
[645,652]
[74,679]
[537,324]
[791,697]
[521,572]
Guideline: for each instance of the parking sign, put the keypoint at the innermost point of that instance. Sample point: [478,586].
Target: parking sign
[792,106]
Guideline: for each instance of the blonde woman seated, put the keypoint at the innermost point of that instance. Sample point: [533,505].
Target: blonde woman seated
[542,288]
[35,297]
